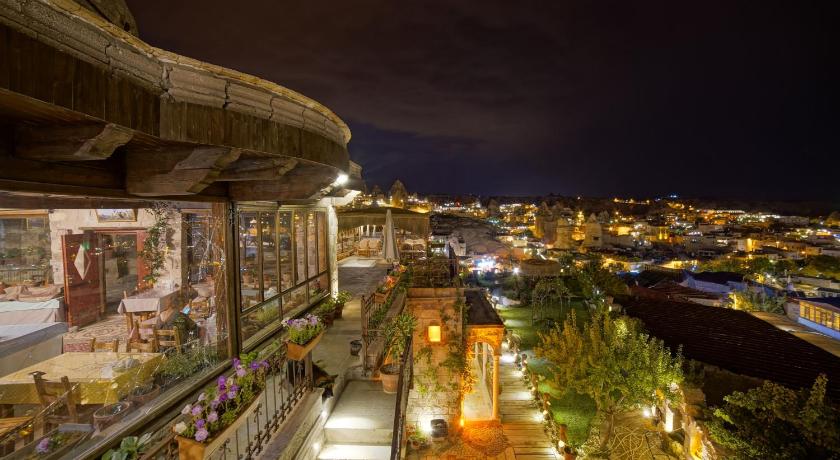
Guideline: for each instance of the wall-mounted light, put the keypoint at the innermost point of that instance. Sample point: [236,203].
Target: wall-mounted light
[434,333]
[341,179]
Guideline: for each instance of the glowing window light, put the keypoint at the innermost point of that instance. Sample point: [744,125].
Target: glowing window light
[434,333]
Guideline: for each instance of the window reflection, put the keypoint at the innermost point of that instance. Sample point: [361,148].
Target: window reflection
[300,247]
[248,259]
[311,245]
[284,241]
[268,228]
[322,241]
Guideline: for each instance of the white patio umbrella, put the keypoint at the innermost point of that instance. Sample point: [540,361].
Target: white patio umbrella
[389,246]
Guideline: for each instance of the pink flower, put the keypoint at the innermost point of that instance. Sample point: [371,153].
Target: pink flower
[196,411]
[240,372]
[213,417]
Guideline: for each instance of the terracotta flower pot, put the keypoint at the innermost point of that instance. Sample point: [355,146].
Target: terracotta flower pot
[298,352]
[339,310]
[390,375]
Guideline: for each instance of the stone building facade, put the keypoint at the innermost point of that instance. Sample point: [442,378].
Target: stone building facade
[437,357]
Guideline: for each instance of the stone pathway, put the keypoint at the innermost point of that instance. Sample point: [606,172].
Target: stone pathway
[521,421]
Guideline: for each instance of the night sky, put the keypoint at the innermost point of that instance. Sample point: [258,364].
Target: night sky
[631,98]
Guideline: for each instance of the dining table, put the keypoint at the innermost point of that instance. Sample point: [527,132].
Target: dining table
[153,300]
[101,380]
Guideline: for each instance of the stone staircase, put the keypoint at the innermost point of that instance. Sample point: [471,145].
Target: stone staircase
[361,424]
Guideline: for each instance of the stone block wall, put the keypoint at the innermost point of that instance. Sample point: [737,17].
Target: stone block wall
[436,391]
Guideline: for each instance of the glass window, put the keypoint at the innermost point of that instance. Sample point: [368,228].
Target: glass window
[266,316]
[295,301]
[284,242]
[319,287]
[249,268]
[311,245]
[268,228]
[145,284]
[300,247]
[322,241]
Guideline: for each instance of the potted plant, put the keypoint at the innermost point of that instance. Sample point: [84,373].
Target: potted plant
[304,334]
[340,300]
[418,440]
[395,333]
[130,448]
[109,414]
[221,409]
[142,394]
[325,312]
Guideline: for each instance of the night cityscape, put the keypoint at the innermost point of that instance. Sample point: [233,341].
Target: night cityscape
[428,231]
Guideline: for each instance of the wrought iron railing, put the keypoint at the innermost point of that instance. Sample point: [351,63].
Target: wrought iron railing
[286,385]
[403,387]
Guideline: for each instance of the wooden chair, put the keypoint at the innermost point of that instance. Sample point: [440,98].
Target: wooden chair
[199,307]
[61,396]
[142,346]
[82,346]
[106,345]
[168,339]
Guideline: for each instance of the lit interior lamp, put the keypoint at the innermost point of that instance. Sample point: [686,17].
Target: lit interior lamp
[434,333]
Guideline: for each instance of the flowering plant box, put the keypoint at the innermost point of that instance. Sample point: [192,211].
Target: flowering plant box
[298,352]
[190,449]
[220,409]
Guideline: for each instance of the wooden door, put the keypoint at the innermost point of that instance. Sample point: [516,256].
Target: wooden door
[82,282]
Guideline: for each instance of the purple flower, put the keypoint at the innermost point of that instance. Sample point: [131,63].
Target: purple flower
[223,397]
[231,394]
[43,446]
[221,381]
[234,388]
[199,423]
[254,365]
[236,362]
[214,403]
[264,363]
[201,435]
[197,410]
[240,372]
[213,417]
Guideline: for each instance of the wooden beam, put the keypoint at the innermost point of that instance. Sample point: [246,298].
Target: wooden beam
[257,168]
[303,182]
[175,172]
[71,142]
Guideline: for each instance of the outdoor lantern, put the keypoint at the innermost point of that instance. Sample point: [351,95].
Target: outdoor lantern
[434,333]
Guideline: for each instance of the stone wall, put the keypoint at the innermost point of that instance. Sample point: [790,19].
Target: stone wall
[436,391]
[75,221]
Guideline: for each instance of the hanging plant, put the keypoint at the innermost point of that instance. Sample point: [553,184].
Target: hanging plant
[156,245]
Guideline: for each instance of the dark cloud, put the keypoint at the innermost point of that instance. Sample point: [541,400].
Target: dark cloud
[603,98]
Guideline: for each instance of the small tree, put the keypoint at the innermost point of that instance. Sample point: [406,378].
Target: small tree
[775,422]
[758,301]
[614,362]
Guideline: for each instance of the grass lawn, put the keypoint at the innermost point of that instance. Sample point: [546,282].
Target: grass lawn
[568,407]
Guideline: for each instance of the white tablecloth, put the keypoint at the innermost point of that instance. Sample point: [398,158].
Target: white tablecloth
[153,300]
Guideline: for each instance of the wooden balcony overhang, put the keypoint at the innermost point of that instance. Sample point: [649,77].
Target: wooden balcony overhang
[88,109]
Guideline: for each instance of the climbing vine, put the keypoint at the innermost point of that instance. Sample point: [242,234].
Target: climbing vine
[156,245]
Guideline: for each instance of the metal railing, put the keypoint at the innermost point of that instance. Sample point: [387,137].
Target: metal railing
[403,387]
[286,385]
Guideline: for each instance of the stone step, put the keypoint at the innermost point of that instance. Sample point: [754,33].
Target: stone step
[364,415]
[355,452]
